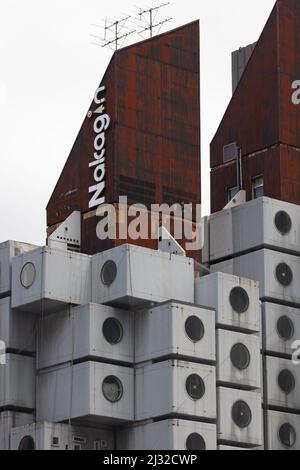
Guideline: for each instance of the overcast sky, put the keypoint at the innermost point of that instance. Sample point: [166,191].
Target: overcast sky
[49,70]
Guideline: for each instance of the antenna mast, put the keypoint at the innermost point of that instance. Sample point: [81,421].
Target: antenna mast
[150,12]
[115,29]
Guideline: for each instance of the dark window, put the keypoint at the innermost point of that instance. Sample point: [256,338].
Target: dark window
[284,274]
[231,192]
[287,435]
[195,442]
[108,272]
[285,328]
[27,443]
[257,187]
[283,222]
[286,381]
[241,414]
[112,331]
[194,328]
[55,441]
[239,300]
[240,356]
[112,389]
[195,387]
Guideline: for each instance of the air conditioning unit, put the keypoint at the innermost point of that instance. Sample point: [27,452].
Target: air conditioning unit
[239,417]
[56,436]
[256,224]
[175,388]
[47,279]
[18,331]
[235,300]
[281,328]
[88,392]
[134,276]
[238,360]
[173,330]
[278,274]
[282,431]
[87,332]
[8,250]
[8,421]
[17,382]
[170,434]
[282,383]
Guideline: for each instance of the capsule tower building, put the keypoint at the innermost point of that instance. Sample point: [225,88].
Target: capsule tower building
[126,344]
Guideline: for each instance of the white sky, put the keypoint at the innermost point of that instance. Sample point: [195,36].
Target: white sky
[48,73]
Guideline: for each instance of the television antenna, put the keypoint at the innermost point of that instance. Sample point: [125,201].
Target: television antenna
[115,31]
[152,13]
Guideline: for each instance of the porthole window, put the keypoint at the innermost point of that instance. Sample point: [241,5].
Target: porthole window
[195,387]
[112,389]
[284,274]
[240,356]
[112,331]
[287,435]
[286,381]
[194,328]
[27,443]
[285,328]
[283,222]
[27,276]
[241,414]
[108,272]
[239,300]
[195,442]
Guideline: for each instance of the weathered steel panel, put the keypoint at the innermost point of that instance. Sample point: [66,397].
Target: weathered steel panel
[153,143]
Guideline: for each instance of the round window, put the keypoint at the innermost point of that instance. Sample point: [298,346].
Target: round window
[286,381]
[195,442]
[240,356]
[241,414]
[283,222]
[287,435]
[112,331]
[108,272]
[28,274]
[284,274]
[194,328]
[195,387]
[112,389]
[27,443]
[285,328]
[239,300]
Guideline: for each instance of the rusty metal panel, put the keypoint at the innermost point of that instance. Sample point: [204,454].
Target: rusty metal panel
[262,117]
[252,117]
[153,143]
